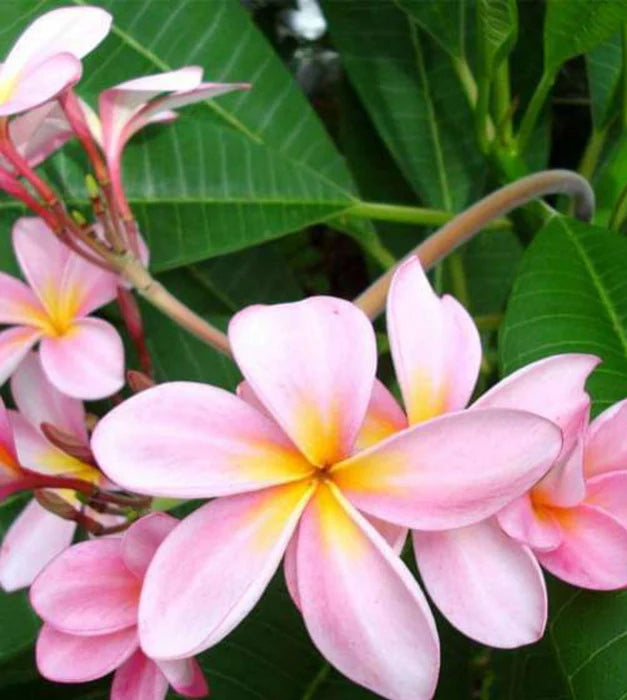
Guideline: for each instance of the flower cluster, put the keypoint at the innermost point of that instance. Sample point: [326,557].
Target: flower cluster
[312,463]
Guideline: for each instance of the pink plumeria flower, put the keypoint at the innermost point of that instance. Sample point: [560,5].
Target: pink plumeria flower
[88,598]
[37,535]
[130,106]
[575,519]
[82,356]
[486,583]
[38,133]
[285,481]
[46,57]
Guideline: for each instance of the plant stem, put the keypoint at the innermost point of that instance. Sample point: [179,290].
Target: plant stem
[534,108]
[465,225]
[414,215]
[619,213]
[458,278]
[591,155]
[502,102]
[624,88]
[154,292]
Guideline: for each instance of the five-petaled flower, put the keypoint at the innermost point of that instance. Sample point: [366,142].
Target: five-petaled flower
[288,482]
[487,584]
[37,535]
[88,598]
[82,356]
[46,57]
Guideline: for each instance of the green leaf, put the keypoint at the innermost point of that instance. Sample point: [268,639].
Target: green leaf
[413,96]
[444,21]
[611,180]
[569,296]
[604,66]
[497,30]
[232,172]
[577,26]
[580,657]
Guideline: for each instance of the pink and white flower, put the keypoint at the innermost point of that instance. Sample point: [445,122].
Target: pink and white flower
[286,481]
[46,57]
[88,598]
[37,535]
[82,356]
[485,582]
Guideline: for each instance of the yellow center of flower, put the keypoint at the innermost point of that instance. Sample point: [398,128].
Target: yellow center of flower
[7,88]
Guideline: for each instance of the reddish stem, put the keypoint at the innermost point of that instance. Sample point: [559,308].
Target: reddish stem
[131,314]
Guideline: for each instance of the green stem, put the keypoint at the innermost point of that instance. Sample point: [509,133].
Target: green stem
[458,279]
[624,100]
[317,681]
[592,153]
[619,213]
[534,108]
[502,102]
[467,79]
[414,215]
[481,114]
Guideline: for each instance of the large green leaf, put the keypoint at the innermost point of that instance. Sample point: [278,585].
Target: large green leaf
[581,656]
[569,296]
[577,26]
[604,66]
[413,96]
[233,172]
[444,21]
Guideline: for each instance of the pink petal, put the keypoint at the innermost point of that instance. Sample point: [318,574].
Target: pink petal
[36,454]
[361,606]
[68,658]
[84,287]
[166,104]
[384,417]
[186,677]
[593,553]
[312,364]
[14,345]
[74,30]
[139,678]
[450,471]
[486,584]
[212,569]
[142,539]
[245,392]
[118,104]
[39,84]
[34,539]
[86,362]
[18,304]
[9,468]
[40,132]
[40,402]
[435,345]
[555,389]
[188,440]
[289,569]
[606,448]
[88,590]
[608,492]
[531,524]
[42,258]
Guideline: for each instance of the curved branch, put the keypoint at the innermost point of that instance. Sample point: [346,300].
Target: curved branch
[467,224]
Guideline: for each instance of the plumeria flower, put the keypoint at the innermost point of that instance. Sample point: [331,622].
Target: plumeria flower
[37,535]
[130,106]
[486,583]
[46,57]
[82,356]
[88,598]
[285,480]
[575,519]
